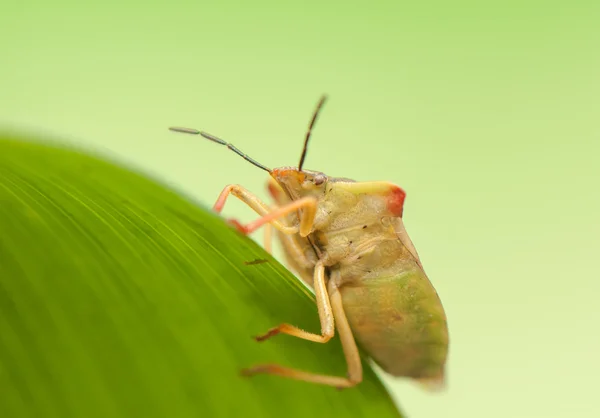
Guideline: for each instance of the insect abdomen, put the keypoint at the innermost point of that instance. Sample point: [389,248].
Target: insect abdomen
[400,323]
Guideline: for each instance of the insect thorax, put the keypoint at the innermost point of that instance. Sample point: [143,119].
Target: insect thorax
[357,234]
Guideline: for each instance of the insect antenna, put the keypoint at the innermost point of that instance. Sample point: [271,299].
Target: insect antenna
[309,131]
[222,142]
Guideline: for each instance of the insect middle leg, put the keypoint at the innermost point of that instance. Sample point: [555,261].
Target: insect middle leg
[268,215]
[325,314]
[332,309]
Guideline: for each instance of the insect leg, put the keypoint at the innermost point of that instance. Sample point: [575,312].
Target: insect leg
[268,238]
[323,307]
[299,257]
[355,371]
[268,215]
[309,204]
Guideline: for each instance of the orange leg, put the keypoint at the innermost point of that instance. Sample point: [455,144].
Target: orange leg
[328,309]
[325,314]
[268,238]
[268,215]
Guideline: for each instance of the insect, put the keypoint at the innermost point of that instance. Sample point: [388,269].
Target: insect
[347,240]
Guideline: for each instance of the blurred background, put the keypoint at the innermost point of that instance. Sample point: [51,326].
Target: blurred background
[486,113]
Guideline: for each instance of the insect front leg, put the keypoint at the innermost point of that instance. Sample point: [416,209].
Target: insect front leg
[268,215]
[268,238]
[299,257]
[335,308]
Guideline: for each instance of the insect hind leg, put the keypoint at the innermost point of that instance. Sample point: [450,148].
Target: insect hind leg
[355,371]
[277,370]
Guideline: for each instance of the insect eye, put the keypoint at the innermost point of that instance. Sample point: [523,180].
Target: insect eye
[319,179]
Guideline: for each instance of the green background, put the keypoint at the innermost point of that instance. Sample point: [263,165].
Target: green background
[487,113]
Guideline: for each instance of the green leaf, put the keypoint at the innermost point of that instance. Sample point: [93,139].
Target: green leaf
[121,298]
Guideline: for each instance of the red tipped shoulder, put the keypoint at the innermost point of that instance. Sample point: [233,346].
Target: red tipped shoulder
[395,201]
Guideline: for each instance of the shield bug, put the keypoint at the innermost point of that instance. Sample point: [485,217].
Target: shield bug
[347,241]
